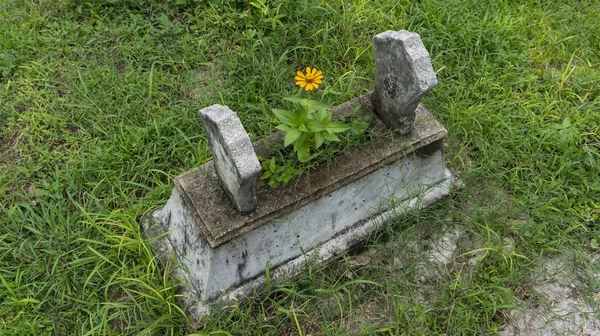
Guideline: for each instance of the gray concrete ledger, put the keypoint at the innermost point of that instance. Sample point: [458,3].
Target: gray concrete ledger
[223,253]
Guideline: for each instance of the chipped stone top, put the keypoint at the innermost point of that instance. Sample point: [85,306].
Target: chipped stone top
[404,74]
[219,220]
[414,48]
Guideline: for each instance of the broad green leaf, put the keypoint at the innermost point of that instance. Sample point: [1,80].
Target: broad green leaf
[324,116]
[303,138]
[264,165]
[300,101]
[336,127]
[283,127]
[300,116]
[319,139]
[265,175]
[311,105]
[314,126]
[302,151]
[272,164]
[291,136]
[302,156]
[283,115]
[303,128]
[330,137]
[317,105]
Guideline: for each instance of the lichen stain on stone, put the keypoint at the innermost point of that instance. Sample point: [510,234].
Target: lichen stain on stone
[242,265]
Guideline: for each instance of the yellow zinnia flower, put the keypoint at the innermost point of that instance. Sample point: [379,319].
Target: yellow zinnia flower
[311,80]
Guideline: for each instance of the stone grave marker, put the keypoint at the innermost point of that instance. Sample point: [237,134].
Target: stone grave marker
[235,161]
[404,74]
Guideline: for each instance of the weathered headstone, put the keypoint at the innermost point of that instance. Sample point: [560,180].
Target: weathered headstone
[235,161]
[404,74]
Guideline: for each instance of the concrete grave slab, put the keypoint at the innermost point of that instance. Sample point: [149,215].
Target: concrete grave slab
[404,74]
[223,253]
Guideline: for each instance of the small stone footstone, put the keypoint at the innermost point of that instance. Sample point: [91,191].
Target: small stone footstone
[404,74]
[235,162]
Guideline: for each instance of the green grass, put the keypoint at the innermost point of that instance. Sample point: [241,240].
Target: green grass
[98,113]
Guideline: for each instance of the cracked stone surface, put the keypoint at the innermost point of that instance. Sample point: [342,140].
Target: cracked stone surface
[563,310]
[443,249]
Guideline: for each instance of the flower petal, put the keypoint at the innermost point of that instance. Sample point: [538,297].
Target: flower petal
[301,84]
[318,81]
[319,77]
[319,73]
[300,74]
[313,73]
[299,78]
[308,71]
[315,85]
[309,87]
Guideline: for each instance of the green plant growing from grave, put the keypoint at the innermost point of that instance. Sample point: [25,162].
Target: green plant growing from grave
[279,171]
[282,166]
[309,126]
